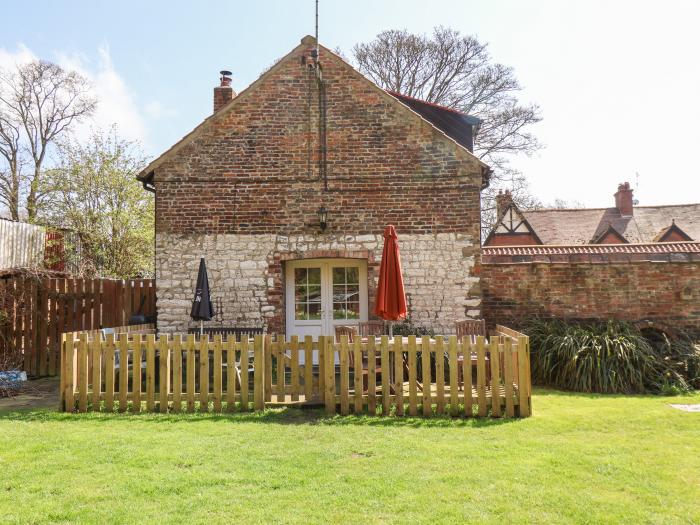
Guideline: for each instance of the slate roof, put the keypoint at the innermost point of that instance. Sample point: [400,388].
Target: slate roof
[583,226]
[455,124]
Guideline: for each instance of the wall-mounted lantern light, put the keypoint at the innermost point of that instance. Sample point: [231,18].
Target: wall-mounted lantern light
[322,217]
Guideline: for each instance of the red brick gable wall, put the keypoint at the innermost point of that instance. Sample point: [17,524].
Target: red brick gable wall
[254,170]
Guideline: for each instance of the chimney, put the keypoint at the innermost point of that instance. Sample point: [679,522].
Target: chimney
[223,93]
[623,200]
[503,200]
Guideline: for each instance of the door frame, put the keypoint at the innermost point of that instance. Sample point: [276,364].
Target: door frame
[326,264]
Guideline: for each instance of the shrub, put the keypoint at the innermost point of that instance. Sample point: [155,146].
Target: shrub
[610,357]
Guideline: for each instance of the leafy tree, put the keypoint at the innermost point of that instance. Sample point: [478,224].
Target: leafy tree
[456,70]
[40,102]
[94,193]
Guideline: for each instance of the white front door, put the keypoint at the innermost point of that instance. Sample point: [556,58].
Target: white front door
[324,293]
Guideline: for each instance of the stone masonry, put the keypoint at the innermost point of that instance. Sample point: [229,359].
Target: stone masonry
[246,275]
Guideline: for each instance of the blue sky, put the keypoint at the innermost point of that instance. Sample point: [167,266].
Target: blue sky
[618,82]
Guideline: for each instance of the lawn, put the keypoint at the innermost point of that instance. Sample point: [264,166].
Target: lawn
[580,459]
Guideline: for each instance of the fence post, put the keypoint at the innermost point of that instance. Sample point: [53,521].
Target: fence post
[524,377]
[258,372]
[62,373]
[329,371]
[69,383]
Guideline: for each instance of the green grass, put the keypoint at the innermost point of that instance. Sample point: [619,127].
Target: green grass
[580,459]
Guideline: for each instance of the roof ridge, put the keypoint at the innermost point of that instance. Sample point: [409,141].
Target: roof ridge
[434,104]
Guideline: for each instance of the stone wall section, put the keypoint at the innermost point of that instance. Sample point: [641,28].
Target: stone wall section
[246,275]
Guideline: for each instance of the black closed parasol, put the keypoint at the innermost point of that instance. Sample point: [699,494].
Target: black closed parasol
[202,309]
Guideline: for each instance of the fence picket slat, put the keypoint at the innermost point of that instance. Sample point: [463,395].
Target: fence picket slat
[42,322]
[386,376]
[371,377]
[230,373]
[467,376]
[327,357]
[294,347]
[524,377]
[481,376]
[398,375]
[218,384]
[190,373]
[280,356]
[344,376]
[204,373]
[508,377]
[454,385]
[259,367]
[412,377]
[177,373]
[123,371]
[96,350]
[164,375]
[358,374]
[494,357]
[150,372]
[425,362]
[109,373]
[440,375]
[136,374]
[268,368]
[83,372]
[245,360]
[308,367]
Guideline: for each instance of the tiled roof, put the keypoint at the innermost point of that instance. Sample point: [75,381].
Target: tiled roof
[581,226]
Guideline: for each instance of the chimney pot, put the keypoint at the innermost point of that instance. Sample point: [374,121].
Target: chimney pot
[503,200]
[223,93]
[624,200]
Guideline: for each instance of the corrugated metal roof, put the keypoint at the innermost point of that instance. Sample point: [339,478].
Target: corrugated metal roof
[594,249]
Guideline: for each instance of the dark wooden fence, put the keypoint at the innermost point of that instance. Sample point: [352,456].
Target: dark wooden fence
[35,311]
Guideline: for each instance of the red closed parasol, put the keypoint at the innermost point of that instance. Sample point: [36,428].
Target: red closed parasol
[391,297]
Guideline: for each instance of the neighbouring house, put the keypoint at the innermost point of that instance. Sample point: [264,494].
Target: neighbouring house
[287,187]
[637,263]
[622,223]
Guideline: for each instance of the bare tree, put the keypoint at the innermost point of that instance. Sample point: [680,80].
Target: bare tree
[11,168]
[46,101]
[456,70]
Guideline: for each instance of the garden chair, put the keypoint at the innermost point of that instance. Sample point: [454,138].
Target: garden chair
[371,328]
[470,328]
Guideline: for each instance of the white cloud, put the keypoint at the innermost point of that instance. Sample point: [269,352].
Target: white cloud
[116,103]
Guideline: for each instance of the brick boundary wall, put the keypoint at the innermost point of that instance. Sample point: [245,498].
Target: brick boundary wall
[663,288]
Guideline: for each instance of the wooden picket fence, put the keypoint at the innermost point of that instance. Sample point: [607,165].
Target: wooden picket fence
[36,311]
[411,376]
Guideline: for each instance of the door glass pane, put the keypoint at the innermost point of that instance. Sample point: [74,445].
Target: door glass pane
[315,310]
[314,276]
[307,293]
[352,292]
[300,276]
[338,275]
[352,275]
[353,310]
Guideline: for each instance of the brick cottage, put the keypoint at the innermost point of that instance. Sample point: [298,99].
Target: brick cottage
[287,187]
